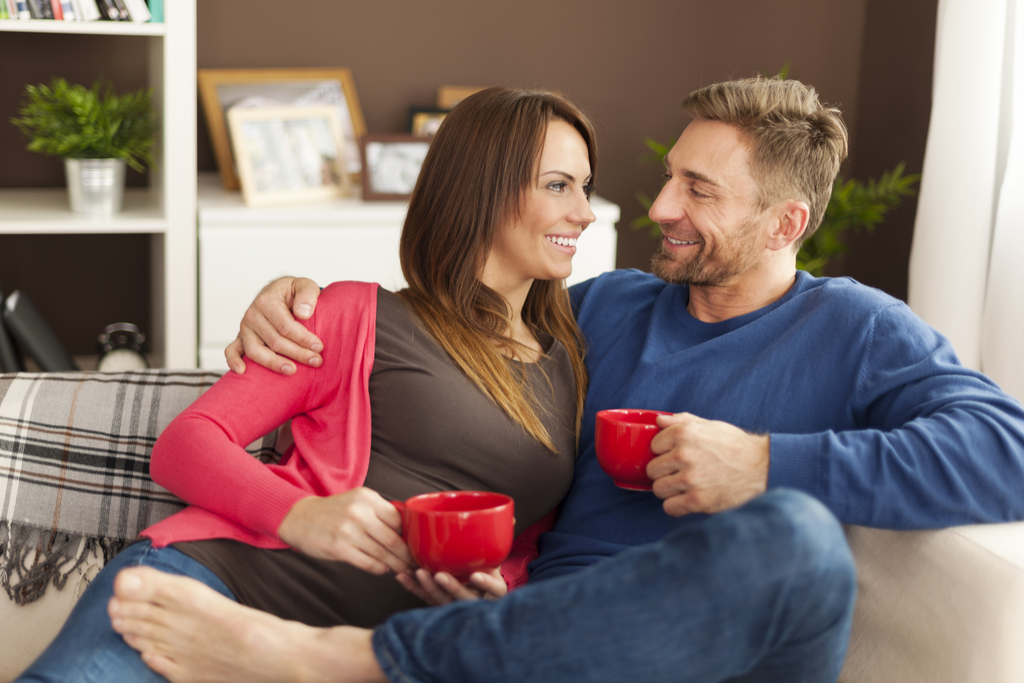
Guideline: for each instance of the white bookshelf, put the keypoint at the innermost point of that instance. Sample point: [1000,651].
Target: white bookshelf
[99,28]
[166,211]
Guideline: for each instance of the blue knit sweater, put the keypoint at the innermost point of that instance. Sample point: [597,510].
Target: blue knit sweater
[867,407]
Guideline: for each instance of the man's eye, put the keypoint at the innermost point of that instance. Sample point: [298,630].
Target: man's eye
[694,192]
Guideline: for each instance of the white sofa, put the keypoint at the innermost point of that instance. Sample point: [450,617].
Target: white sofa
[933,606]
[942,606]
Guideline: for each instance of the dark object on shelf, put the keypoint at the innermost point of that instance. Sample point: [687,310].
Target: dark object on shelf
[121,348]
[34,336]
[10,361]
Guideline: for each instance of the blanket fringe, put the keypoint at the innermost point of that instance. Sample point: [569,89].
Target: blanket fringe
[31,559]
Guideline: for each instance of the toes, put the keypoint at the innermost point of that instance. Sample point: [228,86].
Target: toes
[128,584]
[163,665]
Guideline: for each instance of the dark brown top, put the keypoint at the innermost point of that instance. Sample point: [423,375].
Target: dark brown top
[433,430]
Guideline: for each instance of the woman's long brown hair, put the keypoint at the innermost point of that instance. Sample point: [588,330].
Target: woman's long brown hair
[481,162]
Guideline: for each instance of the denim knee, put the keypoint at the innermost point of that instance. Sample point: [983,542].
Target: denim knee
[813,540]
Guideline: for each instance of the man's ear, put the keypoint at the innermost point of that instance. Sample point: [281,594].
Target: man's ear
[791,219]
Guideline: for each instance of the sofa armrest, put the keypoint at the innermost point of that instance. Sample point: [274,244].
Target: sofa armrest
[938,606]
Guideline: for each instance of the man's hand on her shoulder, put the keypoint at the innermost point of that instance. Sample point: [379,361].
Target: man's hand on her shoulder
[269,333]
[706,465]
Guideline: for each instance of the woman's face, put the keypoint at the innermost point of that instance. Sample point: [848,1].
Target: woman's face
[555,211]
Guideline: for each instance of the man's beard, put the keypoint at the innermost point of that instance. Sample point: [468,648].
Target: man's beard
[711,268]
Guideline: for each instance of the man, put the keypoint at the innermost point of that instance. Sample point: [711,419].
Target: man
[778,381]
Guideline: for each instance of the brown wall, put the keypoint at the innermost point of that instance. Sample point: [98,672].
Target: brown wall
[895,104]
[627,64]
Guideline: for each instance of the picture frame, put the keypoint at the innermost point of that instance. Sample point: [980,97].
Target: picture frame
[288,155]
[424,121]
[391,164]
[450,95]
[223,89]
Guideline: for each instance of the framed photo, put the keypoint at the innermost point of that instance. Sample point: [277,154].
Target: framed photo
[391,164]
[424,121]
[224,89]
[450,95]
[288,155]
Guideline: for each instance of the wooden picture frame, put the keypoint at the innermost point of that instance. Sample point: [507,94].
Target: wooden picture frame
[288,155]
[391,164]
[223,89]
[424,121]
[450,95]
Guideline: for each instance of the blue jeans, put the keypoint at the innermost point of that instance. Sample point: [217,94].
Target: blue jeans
[761,593]
[87,648]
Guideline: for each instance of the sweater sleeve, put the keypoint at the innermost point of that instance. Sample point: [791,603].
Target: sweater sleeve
[932,443]
[201,455]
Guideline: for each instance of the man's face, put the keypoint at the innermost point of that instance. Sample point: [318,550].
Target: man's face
[714,234]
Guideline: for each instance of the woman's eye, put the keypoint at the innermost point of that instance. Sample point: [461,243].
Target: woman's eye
[588,189]
[558,187]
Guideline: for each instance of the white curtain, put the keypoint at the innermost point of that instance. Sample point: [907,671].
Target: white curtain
[967,259]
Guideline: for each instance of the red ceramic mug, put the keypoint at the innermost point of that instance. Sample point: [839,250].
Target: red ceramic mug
[622,440]
[459,532]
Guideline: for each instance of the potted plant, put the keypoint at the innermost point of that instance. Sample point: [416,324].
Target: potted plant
[96,132]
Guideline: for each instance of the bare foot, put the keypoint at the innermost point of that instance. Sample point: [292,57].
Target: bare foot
[186,631]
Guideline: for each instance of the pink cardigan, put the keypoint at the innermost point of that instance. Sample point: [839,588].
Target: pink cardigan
[201,456]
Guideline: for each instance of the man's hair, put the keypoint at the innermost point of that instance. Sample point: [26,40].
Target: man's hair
[796,142]
[482,160]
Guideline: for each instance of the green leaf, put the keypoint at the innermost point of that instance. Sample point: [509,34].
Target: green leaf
[73,121]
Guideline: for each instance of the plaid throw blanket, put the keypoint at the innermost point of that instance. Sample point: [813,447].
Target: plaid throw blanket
[74,467]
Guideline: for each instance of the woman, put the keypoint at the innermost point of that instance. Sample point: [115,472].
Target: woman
[471,378]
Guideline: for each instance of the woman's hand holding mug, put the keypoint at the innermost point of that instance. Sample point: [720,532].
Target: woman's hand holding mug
[358,527]
[442,588]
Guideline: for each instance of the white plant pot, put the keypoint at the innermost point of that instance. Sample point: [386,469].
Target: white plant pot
[95,186]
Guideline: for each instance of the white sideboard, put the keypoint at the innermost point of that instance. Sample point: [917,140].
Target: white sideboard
[243,248]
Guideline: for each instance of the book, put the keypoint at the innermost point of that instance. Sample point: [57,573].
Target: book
[137,10]
[156,11]
[3,10]
[34,336]
[87,10]
[68,8]
[10,361]
[109,10]
[23,10]
[57,9]
[122,11]
[40,9]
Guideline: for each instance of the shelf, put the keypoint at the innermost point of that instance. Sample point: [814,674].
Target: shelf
[98,28]
[45,211]
[224,207]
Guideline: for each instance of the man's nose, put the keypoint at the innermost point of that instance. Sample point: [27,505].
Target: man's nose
[667,206]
